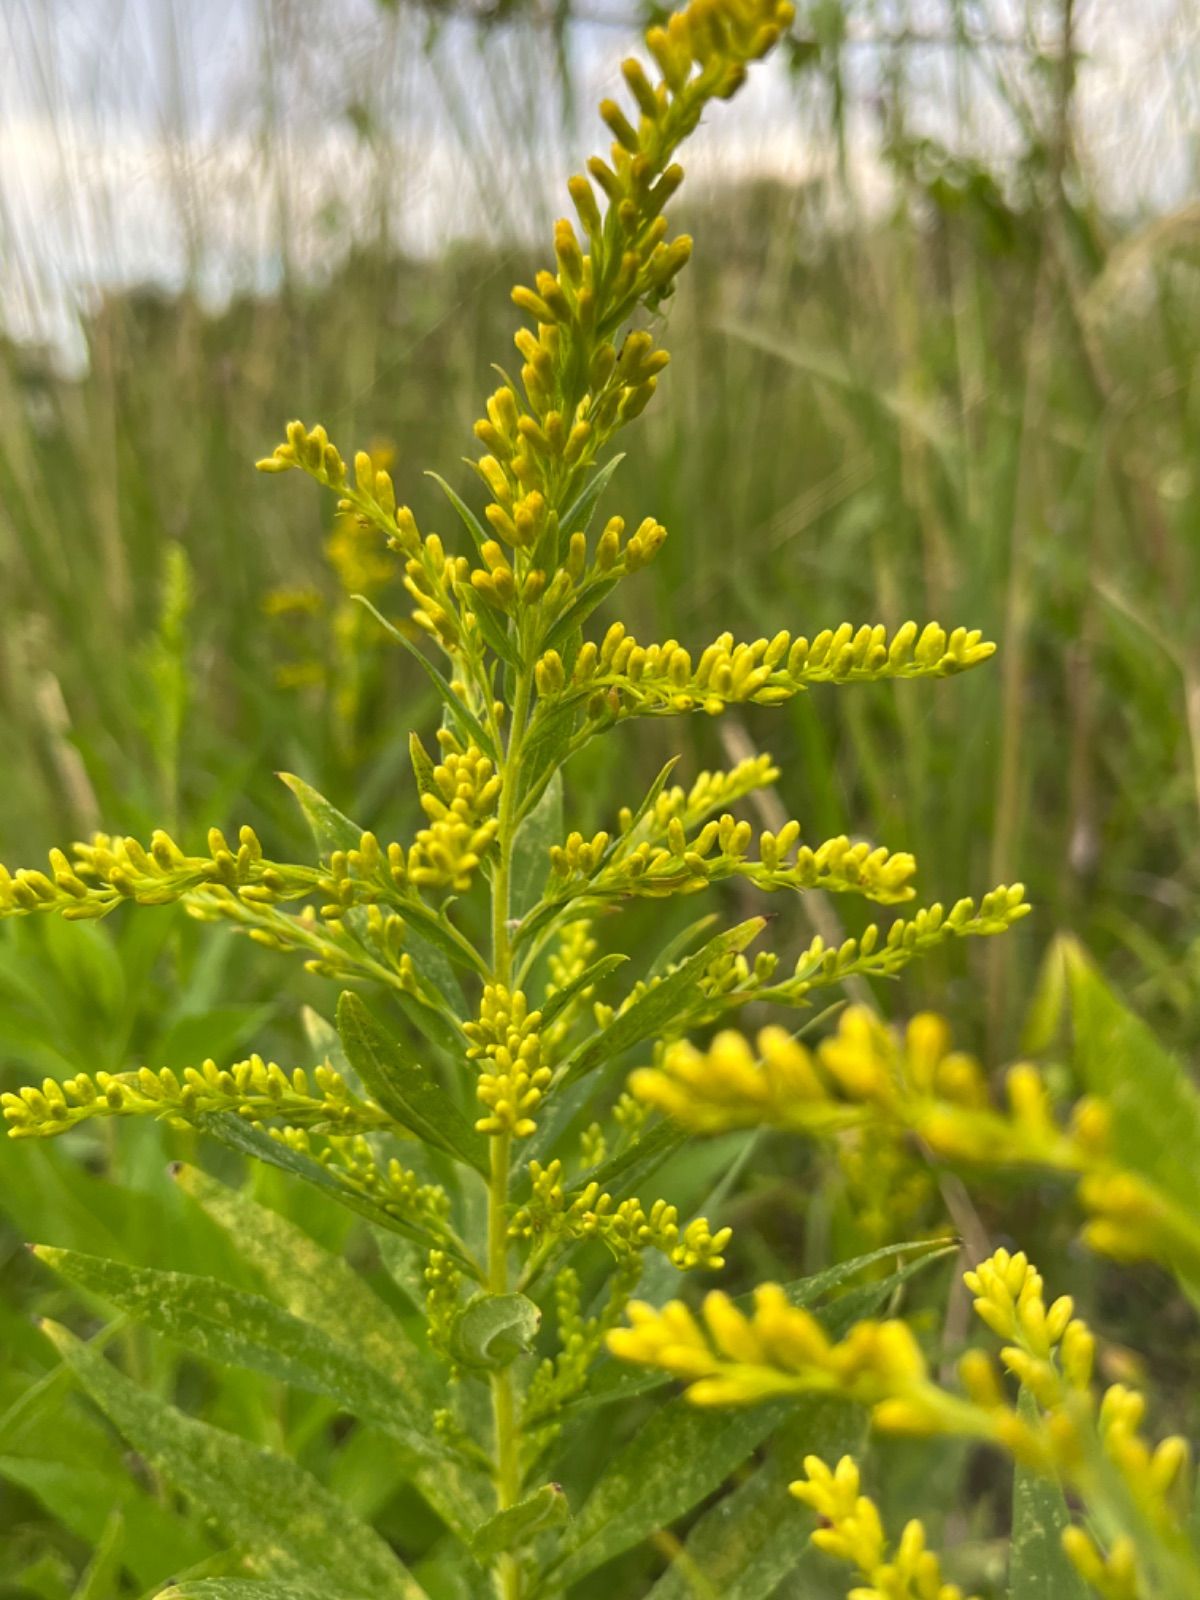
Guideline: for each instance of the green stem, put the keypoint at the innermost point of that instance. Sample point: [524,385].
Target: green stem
[504,1417]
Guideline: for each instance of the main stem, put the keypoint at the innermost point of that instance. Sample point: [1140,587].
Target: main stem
[504,1416]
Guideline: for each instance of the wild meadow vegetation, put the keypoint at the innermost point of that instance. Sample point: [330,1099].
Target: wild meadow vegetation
[573,1176]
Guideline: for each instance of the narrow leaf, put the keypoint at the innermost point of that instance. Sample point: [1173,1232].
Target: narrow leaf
[228,1326]
[1119,1058]
[495,630]
[579,513]
[681,1455]
[326,1292]
[330,829]
[589,978]
[758,1535]
[248,1589]
[479,534]
[541,828]
[464,720]
[404,1088]
[577,613]
[1038,1566]
[662,1005]
[263,1502]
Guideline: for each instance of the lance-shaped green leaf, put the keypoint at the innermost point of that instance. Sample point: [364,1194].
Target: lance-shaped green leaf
[578,514]
[404,1088]
[331,830]
[585,602]
[540,829]
[674,1461]
[621,1174]
[1039,1568]
[280,1515]
[1119,1058]
[228,1326]
[326,1292]
[587,979]
[513,1529]
[758,1535]
[663,1005]
[492,1330]
[479,534]
[465,721]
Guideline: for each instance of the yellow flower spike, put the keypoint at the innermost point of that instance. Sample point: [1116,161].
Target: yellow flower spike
[853,1532]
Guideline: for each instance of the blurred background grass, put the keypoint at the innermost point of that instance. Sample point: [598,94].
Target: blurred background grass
[936,356]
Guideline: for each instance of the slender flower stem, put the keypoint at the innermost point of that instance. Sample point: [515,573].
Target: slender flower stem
[506,1427]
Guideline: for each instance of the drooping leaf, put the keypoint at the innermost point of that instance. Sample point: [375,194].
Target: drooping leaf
[541,828]
[404,1088]
[265,1503]
[233,1328]
[492,1330]
[1038,1566]
[512,1529]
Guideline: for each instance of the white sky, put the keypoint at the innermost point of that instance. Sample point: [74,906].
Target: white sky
[150,140]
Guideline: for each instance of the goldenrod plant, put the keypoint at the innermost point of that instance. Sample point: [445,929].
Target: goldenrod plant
[470,1106]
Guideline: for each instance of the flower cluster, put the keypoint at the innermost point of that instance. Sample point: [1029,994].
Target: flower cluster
[620,678]
[867,1077]
[507,1040]
[578,388]
[555,1215]
[107,871]
[254,1089]
[852,1530]
[580,1338]
[719,851]
[729,1358]
[395,1189]
[459,800]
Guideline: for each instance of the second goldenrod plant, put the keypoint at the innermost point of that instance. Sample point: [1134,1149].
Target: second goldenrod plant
[470,1107]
